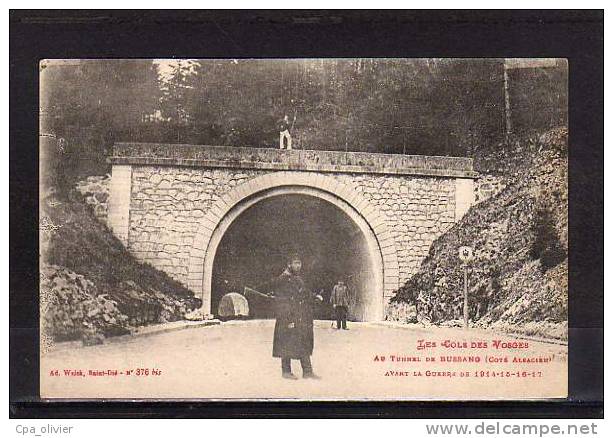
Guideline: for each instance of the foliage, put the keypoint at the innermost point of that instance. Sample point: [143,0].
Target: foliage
[519,272]
[72,308]
[90,104]
[413,106]
[546,246]
[446,107]
[95,286]
[436,106]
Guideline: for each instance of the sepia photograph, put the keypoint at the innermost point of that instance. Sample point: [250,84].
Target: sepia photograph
[304,229]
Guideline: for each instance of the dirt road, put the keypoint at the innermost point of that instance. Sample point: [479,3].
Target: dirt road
[233,360]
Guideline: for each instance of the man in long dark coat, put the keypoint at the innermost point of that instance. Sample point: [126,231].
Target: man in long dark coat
[293,337]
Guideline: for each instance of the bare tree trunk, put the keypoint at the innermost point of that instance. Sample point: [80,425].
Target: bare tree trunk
[507,104]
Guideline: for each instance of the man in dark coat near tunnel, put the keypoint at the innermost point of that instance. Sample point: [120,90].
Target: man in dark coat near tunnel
[293,336]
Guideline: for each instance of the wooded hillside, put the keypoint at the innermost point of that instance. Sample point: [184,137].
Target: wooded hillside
[518,280]
[413,106]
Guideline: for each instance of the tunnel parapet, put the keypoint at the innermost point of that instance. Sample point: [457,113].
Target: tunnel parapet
[167,200]
[295,159]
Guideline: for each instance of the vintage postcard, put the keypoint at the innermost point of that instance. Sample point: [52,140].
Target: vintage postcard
[304,229]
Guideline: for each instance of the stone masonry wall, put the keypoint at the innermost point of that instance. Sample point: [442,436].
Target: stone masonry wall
[167,203]
[166,207]
[418,210]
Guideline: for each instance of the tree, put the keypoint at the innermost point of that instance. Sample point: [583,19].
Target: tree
[177,87]
[93,103]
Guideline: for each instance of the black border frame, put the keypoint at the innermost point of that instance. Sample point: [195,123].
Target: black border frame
[575,35]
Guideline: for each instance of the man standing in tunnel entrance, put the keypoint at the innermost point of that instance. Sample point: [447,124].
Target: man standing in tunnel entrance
[341,300]
[293,336]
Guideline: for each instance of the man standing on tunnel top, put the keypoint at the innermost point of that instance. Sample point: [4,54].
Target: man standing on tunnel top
[293,336]
[285,138]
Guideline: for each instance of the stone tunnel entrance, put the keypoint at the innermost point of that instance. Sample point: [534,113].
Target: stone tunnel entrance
[172,205]
[334,241]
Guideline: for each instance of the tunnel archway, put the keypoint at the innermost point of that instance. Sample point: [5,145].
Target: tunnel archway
[372,227]
[253,252]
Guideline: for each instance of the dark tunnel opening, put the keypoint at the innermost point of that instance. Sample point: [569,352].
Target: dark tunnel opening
[254,250]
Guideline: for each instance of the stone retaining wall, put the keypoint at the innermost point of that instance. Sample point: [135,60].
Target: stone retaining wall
[159,203]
